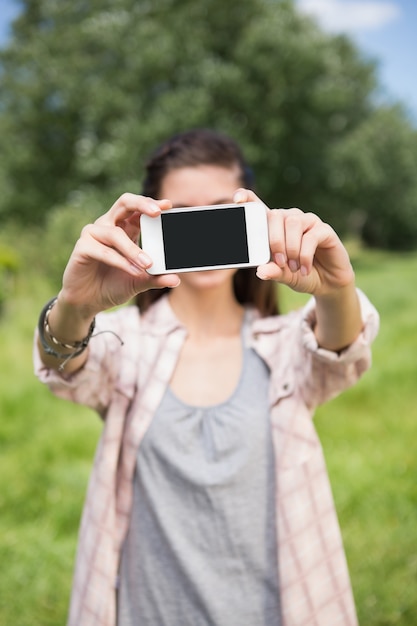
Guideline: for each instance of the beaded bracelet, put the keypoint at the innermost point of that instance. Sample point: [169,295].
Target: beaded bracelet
[44,329]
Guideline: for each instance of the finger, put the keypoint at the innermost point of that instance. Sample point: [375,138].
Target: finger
[127,205]
[283,275]
[293,233]
[276,233]
[164,204]
[131,226]
[165,280]
[313,238]
[148,281]
[270,271]
[131,223]
[112,246]
[246,195]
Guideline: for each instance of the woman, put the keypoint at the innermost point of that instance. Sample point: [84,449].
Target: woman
[209,501]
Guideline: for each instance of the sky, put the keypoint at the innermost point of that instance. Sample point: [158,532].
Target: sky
[384,30]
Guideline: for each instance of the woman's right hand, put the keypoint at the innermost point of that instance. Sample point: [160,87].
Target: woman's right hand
[106,267]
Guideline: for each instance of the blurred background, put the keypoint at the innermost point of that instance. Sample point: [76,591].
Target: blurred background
[322,95]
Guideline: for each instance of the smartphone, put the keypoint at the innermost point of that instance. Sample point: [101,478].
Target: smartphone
[206,237]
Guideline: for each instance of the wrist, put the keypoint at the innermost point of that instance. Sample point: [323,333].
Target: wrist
[338,318]
[337,294]
[56,345]
[72,310]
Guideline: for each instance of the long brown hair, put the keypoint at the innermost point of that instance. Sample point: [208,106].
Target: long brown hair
[207,147]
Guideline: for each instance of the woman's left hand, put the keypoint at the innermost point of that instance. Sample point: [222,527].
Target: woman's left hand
[306,253]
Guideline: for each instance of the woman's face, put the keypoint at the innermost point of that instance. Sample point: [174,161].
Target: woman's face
[199,186]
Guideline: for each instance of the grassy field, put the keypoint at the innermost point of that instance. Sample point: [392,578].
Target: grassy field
[368,434]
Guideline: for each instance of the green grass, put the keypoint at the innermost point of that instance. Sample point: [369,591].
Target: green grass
[46,451]
[368,434]
[369,438]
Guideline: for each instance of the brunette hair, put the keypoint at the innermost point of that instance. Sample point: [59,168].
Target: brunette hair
[207,147]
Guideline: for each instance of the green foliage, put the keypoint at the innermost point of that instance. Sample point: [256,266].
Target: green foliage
[9,265]
[46,247]
[378,163]
[89,88]
[9,260]
[46,449]
[60,232]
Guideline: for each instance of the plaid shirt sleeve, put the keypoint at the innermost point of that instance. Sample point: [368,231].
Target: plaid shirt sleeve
[94,384]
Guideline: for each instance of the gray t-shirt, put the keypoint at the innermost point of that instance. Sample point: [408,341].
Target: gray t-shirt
[201,547]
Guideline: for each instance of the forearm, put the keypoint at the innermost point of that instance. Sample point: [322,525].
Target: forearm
[339,319]
[67,324]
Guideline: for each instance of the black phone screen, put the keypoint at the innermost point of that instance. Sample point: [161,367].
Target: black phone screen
[205,237]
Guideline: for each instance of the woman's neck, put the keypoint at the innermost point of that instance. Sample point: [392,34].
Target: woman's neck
[207,313]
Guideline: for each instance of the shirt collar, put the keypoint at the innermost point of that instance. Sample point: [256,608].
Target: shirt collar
[160,319]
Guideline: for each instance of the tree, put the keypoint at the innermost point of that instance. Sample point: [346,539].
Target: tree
[375,168]
[90,86]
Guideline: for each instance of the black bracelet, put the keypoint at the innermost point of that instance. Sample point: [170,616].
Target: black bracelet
[77,346]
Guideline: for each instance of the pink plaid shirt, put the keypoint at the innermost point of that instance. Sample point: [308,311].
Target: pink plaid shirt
[125,384]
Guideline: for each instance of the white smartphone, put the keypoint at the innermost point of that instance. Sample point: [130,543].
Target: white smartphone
[206,237]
